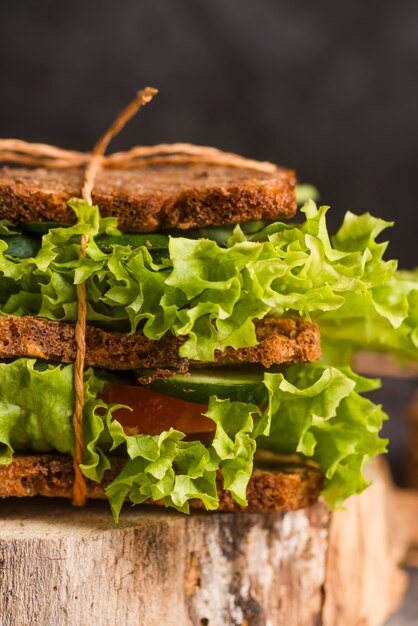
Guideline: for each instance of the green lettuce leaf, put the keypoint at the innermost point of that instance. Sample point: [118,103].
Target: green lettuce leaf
[317,412]
[165,467]
[36,410]
[207,292]
[359,324]
[7,228]
[33,416]
[305,192]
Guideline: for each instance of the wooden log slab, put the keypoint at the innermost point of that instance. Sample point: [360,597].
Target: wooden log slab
[69,566]
[61,566]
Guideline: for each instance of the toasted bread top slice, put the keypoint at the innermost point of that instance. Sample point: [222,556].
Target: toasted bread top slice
[283,488]
[288,340]
[153,197]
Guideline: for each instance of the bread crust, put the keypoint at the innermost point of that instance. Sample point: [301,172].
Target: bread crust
[151,198]
[288,340]
[284,488]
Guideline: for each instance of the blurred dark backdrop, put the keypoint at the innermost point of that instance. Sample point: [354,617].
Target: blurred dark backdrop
[328,88]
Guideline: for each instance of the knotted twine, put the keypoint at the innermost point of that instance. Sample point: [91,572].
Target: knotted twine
[44,155]
[79,486]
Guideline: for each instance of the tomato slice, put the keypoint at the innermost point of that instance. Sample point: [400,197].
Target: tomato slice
[154,413]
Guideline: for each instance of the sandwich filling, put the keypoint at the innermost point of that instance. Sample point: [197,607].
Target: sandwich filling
[202,347]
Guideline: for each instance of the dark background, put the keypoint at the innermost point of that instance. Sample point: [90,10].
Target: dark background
[329,88]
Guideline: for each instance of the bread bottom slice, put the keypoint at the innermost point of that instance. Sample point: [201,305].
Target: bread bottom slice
[284,487]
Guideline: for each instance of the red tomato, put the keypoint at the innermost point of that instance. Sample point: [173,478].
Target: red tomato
[154,413]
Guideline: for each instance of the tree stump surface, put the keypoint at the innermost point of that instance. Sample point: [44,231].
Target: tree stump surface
[62,566]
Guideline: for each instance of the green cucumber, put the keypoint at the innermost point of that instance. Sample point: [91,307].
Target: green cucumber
[21,246]
[220,234]
[154,242]
[41,228]
[244,384]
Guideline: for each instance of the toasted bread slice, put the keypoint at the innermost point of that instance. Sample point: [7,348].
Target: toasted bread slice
[151,198]
[283,488]
[286,340]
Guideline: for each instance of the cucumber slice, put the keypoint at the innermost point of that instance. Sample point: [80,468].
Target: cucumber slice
[40,228]
[154,242]
[220,234]
[242,384]
[21,246]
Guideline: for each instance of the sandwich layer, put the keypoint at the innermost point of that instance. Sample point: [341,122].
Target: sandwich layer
[153,197]
[285,488]
[289,340]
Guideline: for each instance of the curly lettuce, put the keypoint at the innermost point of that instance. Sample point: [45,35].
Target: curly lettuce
[36,409]
[360,326]
[164,467]
[7,228]
[318,413]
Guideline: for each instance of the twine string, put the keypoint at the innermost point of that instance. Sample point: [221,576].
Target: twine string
[42,155]
[93,166]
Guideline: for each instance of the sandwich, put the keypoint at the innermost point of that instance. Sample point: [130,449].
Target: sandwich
[204,380]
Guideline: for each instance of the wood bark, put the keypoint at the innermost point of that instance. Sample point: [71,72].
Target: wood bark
[412,445]
[62,566]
